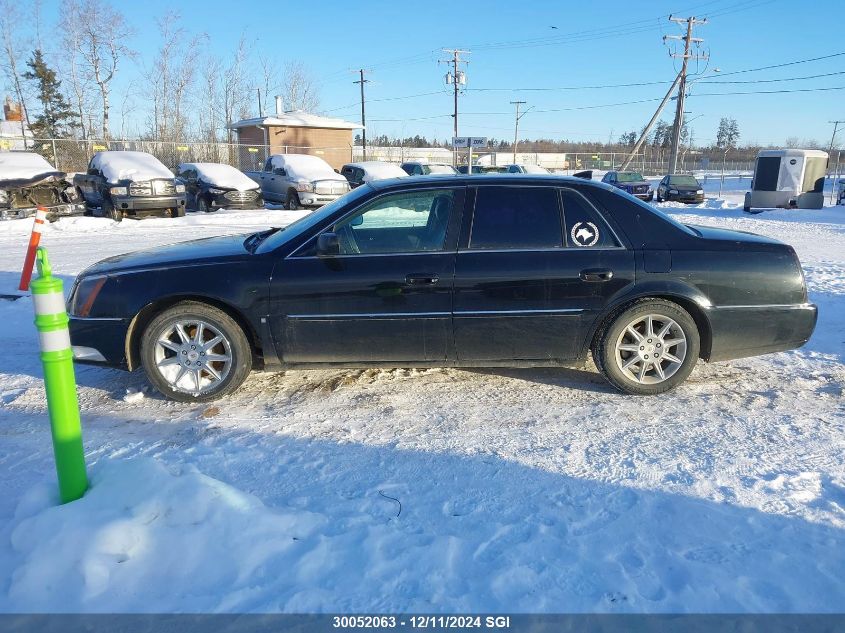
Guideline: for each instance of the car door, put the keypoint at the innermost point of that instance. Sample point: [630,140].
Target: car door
[386,296]
[88,186]
[661,188]
[535,266]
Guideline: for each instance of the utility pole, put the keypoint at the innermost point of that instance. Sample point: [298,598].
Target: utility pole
[516,126]
[688,39]
[457,78]
[362,81]
[260,110]
[833,192]
[650,124]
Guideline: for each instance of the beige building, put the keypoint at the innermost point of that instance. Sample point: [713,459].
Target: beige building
[299,132]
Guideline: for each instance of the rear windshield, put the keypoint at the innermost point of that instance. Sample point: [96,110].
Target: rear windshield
[683,180]
[629,176]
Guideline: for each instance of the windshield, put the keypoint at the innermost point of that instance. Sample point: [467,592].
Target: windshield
[683,180]
[438,169]
[629,176]
[302,225]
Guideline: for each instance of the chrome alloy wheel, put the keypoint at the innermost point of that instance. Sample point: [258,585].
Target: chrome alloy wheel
[193,356]
[651,349]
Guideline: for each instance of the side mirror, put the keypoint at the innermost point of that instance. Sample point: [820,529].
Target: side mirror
[327,245]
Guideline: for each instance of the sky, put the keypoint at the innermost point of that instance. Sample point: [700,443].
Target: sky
[537,44]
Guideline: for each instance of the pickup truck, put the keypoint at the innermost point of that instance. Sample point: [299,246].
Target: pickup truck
[299,181]
[136,183]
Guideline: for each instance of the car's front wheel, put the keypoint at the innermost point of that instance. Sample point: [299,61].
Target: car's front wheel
[648,348]
[194,352]
[111,212]
[293,203]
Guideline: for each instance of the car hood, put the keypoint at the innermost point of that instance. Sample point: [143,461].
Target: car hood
[214,249]
[729,235]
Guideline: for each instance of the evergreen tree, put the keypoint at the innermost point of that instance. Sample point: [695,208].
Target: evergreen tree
[57,118]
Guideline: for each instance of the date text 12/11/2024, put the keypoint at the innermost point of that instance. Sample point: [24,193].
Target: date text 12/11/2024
[422,622]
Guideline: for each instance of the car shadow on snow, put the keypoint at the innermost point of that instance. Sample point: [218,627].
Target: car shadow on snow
[427,531]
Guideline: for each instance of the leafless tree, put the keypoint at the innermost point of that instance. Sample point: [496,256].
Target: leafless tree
[300,90]
[104,32]
[235,86]
[81,87]
[10,19]
[269,79]
[210,110]
[171,77]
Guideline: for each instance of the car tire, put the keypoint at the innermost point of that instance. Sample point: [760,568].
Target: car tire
[292,202]
[111,212]
[624,349]
[178,212]
[658,198]
[208,380]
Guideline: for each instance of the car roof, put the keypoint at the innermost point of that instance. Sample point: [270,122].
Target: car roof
[551,180]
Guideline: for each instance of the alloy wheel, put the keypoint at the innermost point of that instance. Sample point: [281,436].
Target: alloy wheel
[193,356]
[651,349]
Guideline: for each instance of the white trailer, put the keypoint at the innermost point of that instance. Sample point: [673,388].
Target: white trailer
[788,178]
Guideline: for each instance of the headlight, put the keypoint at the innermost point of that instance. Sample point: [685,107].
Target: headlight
[118,191]
[180,188]
[699,191]
[673,191]
[84,294]
[216,192]
[4,196]
[305,186]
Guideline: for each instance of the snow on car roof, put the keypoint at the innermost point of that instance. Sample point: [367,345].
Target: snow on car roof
[221,175]
[134,166]
[23,165]
[305,166]
[378,170]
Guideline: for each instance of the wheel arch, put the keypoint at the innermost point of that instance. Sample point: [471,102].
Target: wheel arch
[692,304]
[148,313]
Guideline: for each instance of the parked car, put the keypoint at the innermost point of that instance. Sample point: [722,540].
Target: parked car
[482,169]
[681,188]
[299,181]
[28,181]
[120,183]
[632,182]
[841,196]
[415,168]
[212,186]
[526,169]
[460,272]
[367,171]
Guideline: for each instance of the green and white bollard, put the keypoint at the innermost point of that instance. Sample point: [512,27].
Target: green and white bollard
[57,359]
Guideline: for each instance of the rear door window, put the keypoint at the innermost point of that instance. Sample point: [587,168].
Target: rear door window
[585,228]
[516,217]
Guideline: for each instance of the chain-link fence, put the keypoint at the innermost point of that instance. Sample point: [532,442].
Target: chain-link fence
[72,155]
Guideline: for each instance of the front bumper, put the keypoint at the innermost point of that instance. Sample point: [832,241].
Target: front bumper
[647,197]
[317,199]
[148,203]
[53,212]
[742,331]
[98,341]
[688,198]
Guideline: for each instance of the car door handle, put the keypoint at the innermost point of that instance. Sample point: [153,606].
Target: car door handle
[421,279]
[596,275]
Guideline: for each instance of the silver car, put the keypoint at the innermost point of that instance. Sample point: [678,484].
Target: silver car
[299,180]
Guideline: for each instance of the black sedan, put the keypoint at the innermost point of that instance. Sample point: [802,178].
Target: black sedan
[507,270]
[630,181]
[212,186]
[680,188]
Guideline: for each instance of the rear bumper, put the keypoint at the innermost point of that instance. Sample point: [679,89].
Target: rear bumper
[742,331]
[99,341]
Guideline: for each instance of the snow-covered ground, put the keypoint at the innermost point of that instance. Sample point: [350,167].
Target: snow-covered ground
[432,490]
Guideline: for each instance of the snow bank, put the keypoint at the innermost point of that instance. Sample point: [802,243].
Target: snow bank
[134,166]
[23,166]
[144,537]
[220,175]
[306,167]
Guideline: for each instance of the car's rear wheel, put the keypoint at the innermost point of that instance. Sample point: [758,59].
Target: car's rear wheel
[193,352]
[293,203]
[648,348]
